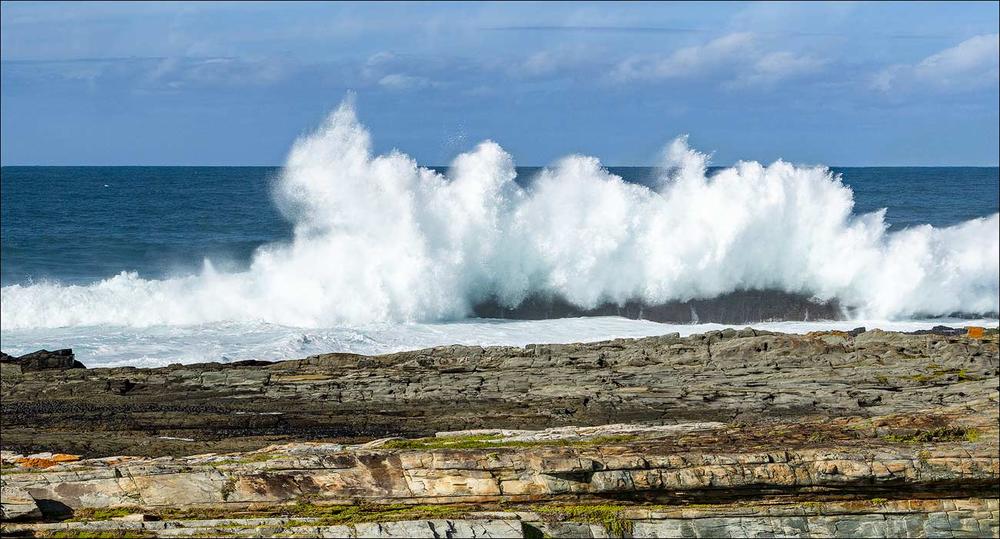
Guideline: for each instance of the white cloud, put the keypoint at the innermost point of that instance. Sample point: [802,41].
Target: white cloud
[204,72]
[736,58]
[400,81]
[550,62]
[971,64]
[539,63]
[972,56]
[380,58]
[686,62]
[155,74]
[776,66]
[402,72]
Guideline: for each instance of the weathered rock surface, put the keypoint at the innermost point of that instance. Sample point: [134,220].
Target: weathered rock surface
[648,465]
[729,434]
[860,477]
[727,376]
[39,361]
[17,504]
[902,518]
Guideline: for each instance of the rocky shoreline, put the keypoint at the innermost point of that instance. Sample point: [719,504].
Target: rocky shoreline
[730,433]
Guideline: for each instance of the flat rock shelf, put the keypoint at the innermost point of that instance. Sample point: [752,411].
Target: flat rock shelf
[727,434]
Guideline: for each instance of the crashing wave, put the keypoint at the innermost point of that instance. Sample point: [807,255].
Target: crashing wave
[379,238]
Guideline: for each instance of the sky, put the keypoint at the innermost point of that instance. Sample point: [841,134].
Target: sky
[233,83]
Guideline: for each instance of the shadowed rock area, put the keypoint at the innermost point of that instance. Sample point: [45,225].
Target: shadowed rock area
[730,433]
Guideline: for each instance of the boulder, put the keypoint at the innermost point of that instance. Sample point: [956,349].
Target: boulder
[17,504]
[44,360]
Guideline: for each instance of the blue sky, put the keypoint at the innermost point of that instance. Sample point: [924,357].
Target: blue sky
[236,83]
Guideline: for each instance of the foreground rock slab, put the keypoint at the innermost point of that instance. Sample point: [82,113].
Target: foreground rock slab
[900,475]
[906,518]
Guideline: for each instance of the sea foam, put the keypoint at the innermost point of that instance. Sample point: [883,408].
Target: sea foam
[378,238]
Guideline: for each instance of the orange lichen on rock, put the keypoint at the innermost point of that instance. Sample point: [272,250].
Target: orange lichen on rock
[35,462]
[64,457]
[974,332]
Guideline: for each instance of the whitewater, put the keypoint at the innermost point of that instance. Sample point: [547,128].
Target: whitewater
[387,255]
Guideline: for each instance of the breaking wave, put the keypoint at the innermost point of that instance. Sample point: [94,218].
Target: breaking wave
[378,238]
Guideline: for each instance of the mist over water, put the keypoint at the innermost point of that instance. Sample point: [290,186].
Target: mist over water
[379,239]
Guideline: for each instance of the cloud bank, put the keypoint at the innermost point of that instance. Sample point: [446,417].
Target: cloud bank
[969,65]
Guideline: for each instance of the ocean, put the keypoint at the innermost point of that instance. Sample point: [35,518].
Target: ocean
[78,225]
[343,250]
